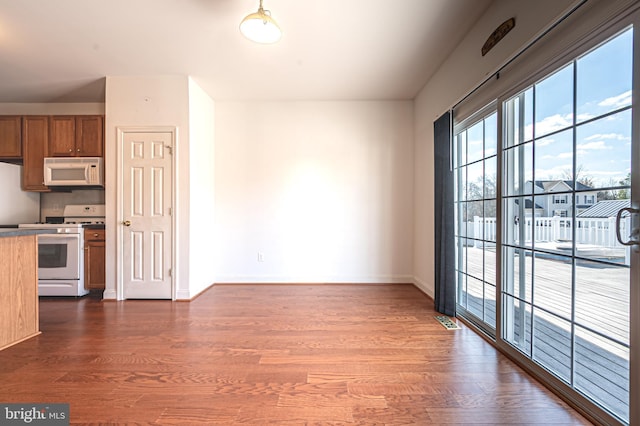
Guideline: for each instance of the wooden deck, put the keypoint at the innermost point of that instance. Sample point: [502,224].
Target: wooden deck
[601,366]
[272,355]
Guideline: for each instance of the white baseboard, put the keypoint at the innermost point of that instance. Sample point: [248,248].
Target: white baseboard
[109,294]
[262,279]
[422,286]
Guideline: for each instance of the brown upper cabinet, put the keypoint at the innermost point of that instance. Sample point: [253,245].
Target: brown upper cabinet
[35,134]
[76,135]
[11,137]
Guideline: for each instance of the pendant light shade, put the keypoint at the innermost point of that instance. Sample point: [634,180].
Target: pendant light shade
[260,27]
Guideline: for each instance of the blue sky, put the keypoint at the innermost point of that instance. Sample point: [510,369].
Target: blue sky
[603,146]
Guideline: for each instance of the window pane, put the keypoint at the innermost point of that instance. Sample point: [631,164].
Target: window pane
[475,181]
[518,273]
[519,169]
[490,264]
[554,159]
[552,343]
[518,113]
[603,152]
[602,371]
[552,284]
[491,135]
[475,149]
[461,149]
[475,297]
[600,285]
[489,223]
[517,225]
[490,177]
[554,102]
[604,78]
[475,260]
[490,304]
[462,184]
[517,330]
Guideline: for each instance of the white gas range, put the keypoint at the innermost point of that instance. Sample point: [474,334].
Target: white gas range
[61,255]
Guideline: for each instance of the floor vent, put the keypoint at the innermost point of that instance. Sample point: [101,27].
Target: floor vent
[447,322]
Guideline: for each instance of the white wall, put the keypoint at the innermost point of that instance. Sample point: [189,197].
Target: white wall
[465,69]
[322,189]
[144,101]
[202,192]
[51,108]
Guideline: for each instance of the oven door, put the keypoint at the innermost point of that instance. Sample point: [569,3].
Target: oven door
[59,256]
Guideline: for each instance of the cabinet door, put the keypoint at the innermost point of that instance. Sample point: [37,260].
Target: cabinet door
[62,136]
[89,135]
[35,134]
[10,137]
[94,259]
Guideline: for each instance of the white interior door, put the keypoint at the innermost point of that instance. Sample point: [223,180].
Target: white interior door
[146,223]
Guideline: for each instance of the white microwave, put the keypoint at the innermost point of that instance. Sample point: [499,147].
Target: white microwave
[73,171]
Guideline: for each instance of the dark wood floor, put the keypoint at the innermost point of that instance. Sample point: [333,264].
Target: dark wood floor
[271,354]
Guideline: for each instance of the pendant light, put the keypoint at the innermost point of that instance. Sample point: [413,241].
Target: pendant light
[260,27]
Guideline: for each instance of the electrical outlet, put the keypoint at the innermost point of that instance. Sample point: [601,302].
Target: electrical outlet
[260,257]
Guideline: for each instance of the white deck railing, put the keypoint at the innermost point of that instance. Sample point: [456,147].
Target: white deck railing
[593,233]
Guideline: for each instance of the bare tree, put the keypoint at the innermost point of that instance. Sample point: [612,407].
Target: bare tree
[581,176]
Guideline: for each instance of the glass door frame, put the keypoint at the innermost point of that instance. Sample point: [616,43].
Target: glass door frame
[634,356]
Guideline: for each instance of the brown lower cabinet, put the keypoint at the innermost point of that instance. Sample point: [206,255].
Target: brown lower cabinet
[94,259]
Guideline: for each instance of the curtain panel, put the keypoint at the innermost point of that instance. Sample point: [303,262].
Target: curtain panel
[445,279]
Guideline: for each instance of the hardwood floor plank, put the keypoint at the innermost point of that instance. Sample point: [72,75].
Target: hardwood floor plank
[274,355]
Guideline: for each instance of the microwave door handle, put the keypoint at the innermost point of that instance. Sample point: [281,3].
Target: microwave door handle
[86,173]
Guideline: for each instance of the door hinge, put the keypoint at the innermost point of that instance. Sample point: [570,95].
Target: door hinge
[169,272]
[170,211]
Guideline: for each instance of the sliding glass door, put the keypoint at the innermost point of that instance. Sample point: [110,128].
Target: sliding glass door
[567,173]
[547,181]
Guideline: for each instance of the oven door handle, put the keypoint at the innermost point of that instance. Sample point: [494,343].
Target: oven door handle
[58,237]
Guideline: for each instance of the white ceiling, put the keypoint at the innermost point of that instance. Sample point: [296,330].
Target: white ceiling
[61,50]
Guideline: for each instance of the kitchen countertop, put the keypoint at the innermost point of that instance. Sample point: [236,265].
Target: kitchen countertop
[94,226]
[19,232]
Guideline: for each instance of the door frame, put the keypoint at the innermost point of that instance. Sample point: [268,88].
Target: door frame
[121,131]
[634,275]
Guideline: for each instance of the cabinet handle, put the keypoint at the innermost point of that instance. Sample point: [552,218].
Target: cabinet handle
[95,235]
[70,149]
[78,150]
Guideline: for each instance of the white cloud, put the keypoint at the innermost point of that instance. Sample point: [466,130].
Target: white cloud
[565,155]
[609,136]
[544,142]
[598,145]
[553,123]
[584,117]
[618,101]
[556,172]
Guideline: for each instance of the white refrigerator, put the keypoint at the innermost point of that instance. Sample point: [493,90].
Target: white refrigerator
[16,206]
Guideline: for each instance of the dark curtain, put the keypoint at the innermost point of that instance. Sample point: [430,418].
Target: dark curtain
[445,279]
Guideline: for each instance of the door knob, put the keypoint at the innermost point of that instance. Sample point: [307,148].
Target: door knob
[127,223]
